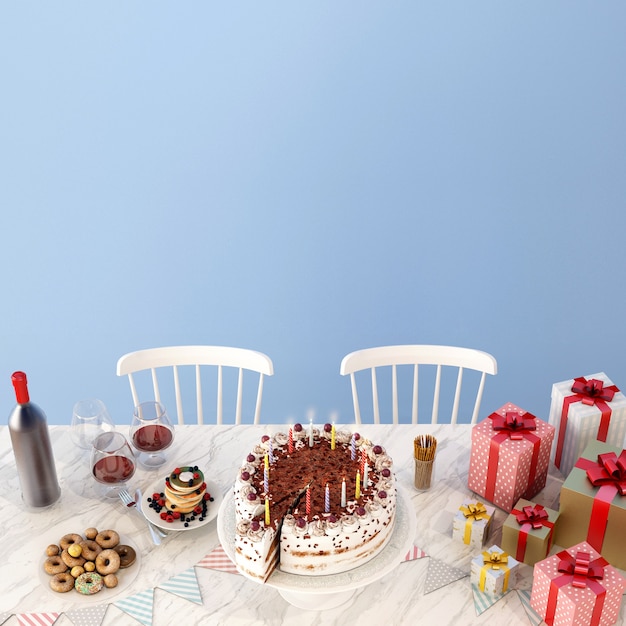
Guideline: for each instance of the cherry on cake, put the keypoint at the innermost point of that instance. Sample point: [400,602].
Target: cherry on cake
[314,502]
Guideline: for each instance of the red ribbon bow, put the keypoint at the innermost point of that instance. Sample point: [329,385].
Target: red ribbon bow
[610,469]
[581,569]
[514,423]
[533,515]
[592,390]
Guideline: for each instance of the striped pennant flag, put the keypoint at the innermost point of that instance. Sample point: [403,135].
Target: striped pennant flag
[218,559]
[37,619]
[483,601]
[88,615]
[524,596]
[184,585]
[138,606]
[414,553]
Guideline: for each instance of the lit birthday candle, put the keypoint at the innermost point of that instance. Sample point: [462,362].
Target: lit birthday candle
[327,499]
[343,493]
[332,437]
[267,512]
[357,491]
[290,443]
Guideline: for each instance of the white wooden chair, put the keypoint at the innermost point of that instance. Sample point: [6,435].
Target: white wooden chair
[225,360]
[416,356]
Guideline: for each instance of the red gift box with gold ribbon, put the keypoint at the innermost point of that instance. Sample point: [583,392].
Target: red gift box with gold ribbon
[585,409]
[577,586]
[593,503]
[510,456]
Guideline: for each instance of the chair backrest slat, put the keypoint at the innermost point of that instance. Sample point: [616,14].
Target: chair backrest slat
[174,358]
[417,356]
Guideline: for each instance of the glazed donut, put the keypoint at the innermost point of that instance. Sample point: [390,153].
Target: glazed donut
[70,560]
[52,550]
[110,581]
[107,562]
[62,583]
[54,565]
[127,555]
[107,539]
[69,539]
[90,549]
[91,533]
[88,583]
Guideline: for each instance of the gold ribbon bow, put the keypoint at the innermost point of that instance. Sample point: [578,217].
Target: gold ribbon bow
[473,513]
[495,561]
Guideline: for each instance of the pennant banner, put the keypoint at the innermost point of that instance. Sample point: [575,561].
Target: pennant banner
[439,575]
[524,596]
[414,553]
[184,585]
[87,616]
[139,606]
[218,559]
[4,617]
[483,601]
[37,619]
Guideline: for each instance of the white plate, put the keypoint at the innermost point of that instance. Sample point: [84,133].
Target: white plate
[155,518]
[389,558]
[125,576]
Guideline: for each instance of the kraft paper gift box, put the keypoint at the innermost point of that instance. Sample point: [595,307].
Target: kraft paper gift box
[584,409]
[528,532]
[593,503]
[472,523]
[577,586]
[494,571]
[510,456]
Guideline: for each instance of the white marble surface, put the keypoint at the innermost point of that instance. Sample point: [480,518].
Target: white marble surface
[396,598]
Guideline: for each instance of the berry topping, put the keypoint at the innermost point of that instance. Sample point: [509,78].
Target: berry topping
[382,494]
[327,428]
[196,475]
[265,438]
[357,436]
[386,472]
[297,427]
[377,449]
[360,511]
[251,458]
[301,523]
[332,519]
[254,525]
[245,475]
[252,496]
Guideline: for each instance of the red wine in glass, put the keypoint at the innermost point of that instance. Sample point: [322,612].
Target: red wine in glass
[151,432]
[112,462]
[113,469]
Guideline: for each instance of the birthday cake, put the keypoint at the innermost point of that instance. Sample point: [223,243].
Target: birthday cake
[312,502]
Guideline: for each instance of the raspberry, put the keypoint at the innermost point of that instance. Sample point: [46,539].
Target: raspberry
[163,515]
[206,496]
[198,510]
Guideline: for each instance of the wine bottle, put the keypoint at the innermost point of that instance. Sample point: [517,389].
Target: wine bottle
[30,439]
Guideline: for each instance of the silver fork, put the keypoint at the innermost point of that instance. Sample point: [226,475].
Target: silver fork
[129,502]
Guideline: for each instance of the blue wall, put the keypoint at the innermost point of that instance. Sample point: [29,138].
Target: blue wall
[307,179]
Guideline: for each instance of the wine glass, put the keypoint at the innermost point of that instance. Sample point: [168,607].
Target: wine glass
[112,462]
[89,419]
[151,432]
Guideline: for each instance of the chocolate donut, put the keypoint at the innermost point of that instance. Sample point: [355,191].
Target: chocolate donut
[107,562]
[127,555]
[88,583]
[107,539]
[62,583]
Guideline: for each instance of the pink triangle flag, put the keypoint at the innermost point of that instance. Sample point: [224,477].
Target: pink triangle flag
[218,559]
[37,619]
[414,553]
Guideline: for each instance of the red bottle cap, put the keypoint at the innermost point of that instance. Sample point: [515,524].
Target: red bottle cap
[21,387]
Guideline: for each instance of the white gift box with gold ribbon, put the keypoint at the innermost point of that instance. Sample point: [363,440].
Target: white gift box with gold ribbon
[472,523]
[494,571]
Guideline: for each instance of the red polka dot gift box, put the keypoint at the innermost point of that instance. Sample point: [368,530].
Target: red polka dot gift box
[585,409]
[510,456]
[577,587]
[592,504]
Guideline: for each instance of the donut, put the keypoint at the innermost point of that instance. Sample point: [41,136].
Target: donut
[62,583]
[69,539]
[110,581]
[107,562]
[88,583]
[54,565]
[70,560]
[107,539]
[127,555]
[52,550]
[91,533]
[90,549]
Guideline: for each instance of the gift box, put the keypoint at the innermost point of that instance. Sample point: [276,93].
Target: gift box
[593,503]
[494,571]
[472,523]
[510,456]
[577,586]
[528,531]
[582,410]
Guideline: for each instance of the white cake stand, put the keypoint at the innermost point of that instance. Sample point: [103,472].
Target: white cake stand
[327,592]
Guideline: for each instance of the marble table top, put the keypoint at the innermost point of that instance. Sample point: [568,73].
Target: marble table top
[397,598]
